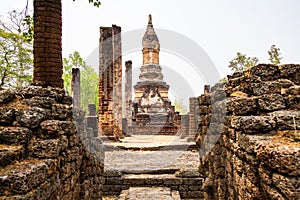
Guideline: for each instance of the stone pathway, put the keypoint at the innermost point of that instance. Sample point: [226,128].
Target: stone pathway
[149,193]
[150,161]
[161,159]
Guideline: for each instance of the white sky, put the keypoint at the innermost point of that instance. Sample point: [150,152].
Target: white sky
[221,27]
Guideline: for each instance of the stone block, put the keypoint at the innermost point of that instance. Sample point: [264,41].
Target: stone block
[42,102]
[10,154]
[287,120]
[14,135]
[243,105]
[153,181]
[7,116]
[269,87]
[31,117]
[7,95]
[172,181]
[266,72]
[38,91]
[47,148]
[61,112]
[271,102]
[253,124]
[55,128]
[26,175]
[192,181]
[189,173]
[282,158]
[291,72]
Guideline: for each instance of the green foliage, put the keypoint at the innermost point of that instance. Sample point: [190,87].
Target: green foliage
[242,62]
[223,80]
[88,80]
[16,56]
[179,106]
[28,34]
[274,55]
[96,3]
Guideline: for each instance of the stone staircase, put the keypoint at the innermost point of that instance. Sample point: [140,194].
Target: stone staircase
[152,167]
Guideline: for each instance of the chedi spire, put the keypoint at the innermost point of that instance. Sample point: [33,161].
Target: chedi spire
[151,45]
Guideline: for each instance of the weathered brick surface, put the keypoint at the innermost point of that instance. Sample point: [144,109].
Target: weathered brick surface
[128,92]
[47,40]
[42,151]
[110,81]
[249,140]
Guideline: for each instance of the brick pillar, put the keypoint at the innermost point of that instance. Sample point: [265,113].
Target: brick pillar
[105,82]
[47,48]
[128,91]
[117,80]
[76,87]
[91,119]
[110,81]
[184,125]
[192,116]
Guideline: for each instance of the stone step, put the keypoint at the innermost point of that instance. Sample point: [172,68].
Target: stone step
[120,146]
[151,143]
[149,193]
[10,153]
[188,186]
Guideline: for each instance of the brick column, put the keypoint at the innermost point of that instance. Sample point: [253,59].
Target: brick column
[76,87]
[110,82]
[192,116]
[117,80]
[184,125]
[91,120]
[47,48]
[128,91]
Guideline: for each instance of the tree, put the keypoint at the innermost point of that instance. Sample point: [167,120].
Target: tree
[179,106]
[274,55]
[88,79]
[48,66]
[242,62]
[16,62]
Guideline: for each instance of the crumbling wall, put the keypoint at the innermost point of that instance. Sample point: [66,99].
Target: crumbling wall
[42,156]
[249,136]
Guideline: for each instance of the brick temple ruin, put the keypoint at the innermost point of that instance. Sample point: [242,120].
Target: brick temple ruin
[150,111]
[246,131]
